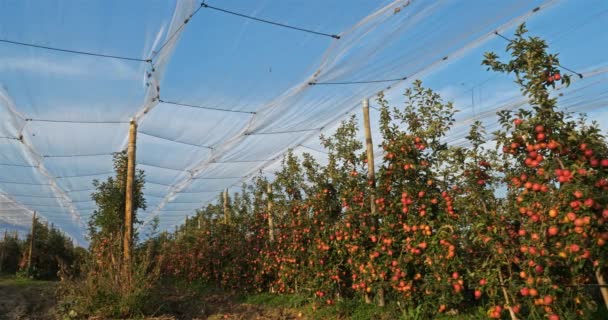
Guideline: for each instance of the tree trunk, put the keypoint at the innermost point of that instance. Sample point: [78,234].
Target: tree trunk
[506,295]
[270,217]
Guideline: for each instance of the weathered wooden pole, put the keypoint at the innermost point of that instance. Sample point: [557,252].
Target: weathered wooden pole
[32,238]
[602,283]
[371,176]
[3,249]
[127,242]
[369,147]
[226,210]
[270,216]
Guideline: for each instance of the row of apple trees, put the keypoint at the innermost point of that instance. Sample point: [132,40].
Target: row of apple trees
[53,254]
[514,224]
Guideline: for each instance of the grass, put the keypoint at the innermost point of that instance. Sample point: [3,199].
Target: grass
[11,280]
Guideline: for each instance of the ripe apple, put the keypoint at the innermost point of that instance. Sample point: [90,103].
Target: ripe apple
[553,230]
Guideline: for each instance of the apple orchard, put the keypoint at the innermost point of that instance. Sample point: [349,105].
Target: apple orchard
[514,224]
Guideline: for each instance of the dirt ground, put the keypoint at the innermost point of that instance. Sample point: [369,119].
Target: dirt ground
[219,305]
[222,307]
[25,299]
[35,300]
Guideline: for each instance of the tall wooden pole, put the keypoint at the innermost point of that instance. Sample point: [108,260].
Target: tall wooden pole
[33,237]
[371,176]
[2,247]
[369,146]
[603,289]
[226,210]
[127,242]
[270,217]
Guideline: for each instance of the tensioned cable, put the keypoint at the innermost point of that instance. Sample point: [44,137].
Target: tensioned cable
[25,183]
[195,192]
[201,107]
[75,121]
[81,201]
[216,178]
[155,53]
[181,142]
[313,149]
[80,190]
[187,202]
[44,205]
[17,165]
[242,161]
[159,167]
[282,132]
[77,155]
[153,196]
[335,36]
[314,83]
[160,184]
[25,44]
[84,175]
[580,75]
[31,196]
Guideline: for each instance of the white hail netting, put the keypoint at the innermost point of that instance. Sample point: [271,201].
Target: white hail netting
[243,87]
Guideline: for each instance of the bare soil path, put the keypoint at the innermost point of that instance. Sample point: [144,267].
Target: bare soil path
[22,299]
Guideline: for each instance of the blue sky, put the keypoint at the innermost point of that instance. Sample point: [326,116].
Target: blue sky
[227,62]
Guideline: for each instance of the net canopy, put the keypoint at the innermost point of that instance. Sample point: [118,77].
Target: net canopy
[219,97]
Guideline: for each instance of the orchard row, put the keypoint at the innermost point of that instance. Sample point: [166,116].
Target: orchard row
[514,224]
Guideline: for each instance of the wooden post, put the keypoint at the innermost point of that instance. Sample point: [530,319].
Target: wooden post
[603,289]
[270,217]
[32,238]
[226,211]
[3,250]
[371,176]
[127,242]
[369,145]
